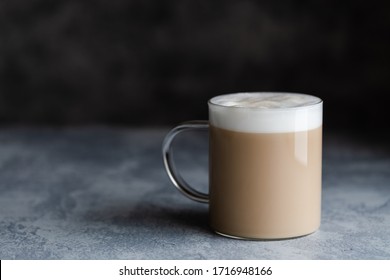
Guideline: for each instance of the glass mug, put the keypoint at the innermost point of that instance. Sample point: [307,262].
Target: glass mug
[265,161]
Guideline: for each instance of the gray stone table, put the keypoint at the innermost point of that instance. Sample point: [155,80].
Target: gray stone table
[102,193]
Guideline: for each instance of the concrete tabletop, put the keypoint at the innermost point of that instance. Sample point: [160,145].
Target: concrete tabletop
[102,193]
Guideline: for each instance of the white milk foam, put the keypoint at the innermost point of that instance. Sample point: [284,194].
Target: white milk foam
[266,112]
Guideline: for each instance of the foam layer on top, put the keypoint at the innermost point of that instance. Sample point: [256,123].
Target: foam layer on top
[266,112]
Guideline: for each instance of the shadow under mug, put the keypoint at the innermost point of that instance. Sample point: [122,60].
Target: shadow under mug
[264,165]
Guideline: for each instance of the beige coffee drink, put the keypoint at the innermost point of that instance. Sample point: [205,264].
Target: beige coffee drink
[265,164]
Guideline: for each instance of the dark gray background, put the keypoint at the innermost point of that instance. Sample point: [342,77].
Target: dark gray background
[155,63]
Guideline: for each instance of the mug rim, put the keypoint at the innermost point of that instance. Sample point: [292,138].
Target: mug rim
[211,103]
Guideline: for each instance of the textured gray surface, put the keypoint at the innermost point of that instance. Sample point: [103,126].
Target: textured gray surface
[102,193]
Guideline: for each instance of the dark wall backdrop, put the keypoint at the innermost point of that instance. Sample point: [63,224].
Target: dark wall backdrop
[143,62]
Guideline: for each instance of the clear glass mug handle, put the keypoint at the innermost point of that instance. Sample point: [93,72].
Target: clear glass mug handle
[169,163]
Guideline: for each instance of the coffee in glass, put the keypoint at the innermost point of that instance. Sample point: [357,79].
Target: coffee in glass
[265,155]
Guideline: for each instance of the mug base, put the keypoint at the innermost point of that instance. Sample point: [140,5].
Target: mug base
[262,238]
